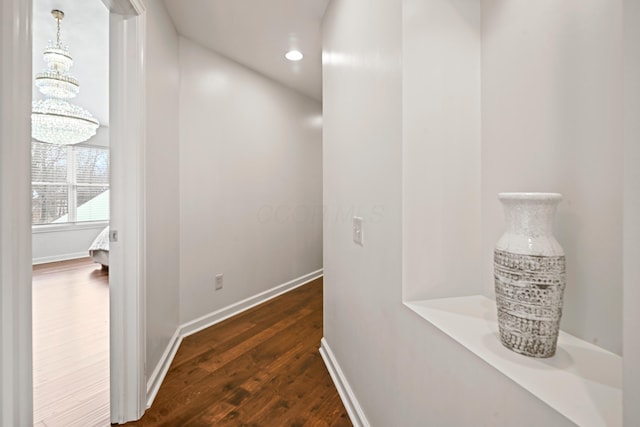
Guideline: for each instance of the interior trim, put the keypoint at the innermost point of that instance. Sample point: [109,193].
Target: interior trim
[16,392]
[351,404]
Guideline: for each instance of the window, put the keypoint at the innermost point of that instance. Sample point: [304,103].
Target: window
[69,184]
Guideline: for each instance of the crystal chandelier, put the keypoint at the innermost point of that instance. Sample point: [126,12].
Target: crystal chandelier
[55,120]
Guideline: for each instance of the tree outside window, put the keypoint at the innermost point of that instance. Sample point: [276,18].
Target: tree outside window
[70,184]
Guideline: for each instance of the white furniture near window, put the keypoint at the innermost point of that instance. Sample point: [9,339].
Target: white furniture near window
[99,249]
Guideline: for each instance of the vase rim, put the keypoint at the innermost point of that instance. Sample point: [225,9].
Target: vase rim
[529,196]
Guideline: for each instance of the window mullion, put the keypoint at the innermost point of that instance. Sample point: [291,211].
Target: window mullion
[62,178]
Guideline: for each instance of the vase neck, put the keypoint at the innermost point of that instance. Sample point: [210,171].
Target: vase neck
[530,217]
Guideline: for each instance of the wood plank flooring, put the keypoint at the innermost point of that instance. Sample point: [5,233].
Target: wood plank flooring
[260,368]
[70,344]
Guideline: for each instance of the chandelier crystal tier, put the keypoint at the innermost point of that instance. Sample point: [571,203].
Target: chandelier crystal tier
[55,120]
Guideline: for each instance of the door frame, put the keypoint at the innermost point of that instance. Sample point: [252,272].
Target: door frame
[127,287]
[127,255]
[16,375]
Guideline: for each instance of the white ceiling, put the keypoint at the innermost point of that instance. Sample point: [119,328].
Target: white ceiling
[257,34]
[85,29]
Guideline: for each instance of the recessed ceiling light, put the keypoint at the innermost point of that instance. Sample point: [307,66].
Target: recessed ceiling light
[293,55]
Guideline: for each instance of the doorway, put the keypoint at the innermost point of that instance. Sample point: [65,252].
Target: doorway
[70,209]
[127,33]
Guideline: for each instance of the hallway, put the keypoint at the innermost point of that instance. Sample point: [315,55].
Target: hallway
[259,368]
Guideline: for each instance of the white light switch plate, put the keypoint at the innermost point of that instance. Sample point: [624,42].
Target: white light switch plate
[358,232]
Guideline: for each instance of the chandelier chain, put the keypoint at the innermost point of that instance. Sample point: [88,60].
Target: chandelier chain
[58,33]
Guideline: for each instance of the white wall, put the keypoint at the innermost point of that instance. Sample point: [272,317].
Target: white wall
[250,182]
[101,138]
[552,121]
[162,212]
[441,148]
[402,370]
[362,158]
[63,243]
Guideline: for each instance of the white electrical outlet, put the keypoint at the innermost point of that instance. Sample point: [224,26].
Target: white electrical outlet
[219,279]
[358,232]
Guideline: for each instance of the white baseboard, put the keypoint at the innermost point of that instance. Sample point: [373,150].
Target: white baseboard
[224,313]
[157,376]
[56,258]
[349,400]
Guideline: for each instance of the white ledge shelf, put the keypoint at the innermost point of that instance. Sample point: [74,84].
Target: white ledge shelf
[582,381]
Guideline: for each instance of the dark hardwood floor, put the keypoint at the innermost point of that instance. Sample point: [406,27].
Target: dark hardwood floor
[260,368]
[70,344]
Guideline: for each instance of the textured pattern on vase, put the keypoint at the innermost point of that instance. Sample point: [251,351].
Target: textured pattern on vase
[529,293]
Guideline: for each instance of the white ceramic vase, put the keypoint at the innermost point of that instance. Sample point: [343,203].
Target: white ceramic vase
[529,273]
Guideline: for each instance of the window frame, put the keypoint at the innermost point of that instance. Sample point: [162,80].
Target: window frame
[72,190]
